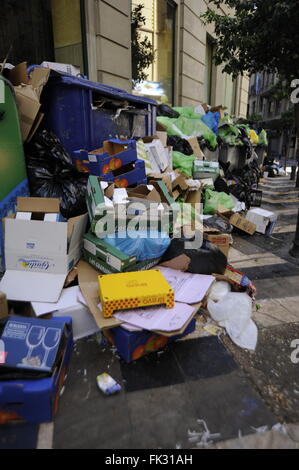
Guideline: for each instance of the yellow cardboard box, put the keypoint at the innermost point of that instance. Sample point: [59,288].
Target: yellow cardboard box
[126,291]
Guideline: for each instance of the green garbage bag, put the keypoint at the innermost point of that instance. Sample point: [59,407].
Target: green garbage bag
[230,134]
[263,138]
[183,163]
[214,199]
[188,112]
[187,127]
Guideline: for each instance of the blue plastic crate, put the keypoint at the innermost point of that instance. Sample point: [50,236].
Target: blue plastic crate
[134,345]
[101,163]
[36,401]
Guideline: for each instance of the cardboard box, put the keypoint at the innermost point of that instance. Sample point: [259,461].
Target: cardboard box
[36,401]
[238,221]
[99,203]
[3,306]
[163,136]
[134,345]
[114,155]
[28,91]
[203,169]
[62,68]
[157,153]
[110,255]
[239,281]
[221,240]
[39,254]
[127,291]
[265,221]
[105,268]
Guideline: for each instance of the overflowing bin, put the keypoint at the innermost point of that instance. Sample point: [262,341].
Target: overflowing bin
[84,114]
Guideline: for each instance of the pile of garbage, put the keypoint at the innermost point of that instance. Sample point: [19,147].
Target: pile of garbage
[129,236]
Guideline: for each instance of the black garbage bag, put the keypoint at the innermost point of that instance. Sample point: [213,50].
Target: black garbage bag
[221,186]
[179,144]
[206,260]
[52,174]
[166,111]
[218,224]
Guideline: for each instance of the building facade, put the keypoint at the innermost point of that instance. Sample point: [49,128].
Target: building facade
[275,115]
[96,35]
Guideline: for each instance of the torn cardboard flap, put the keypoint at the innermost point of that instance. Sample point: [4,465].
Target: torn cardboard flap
[18,75]
[28,91]
[89,285]
[40,205]
[237,221]
[197,152]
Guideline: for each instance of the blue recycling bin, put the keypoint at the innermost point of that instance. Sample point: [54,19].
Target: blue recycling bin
[84,114]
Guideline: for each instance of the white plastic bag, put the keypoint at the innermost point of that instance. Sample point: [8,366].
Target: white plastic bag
[219,290]
[233,312]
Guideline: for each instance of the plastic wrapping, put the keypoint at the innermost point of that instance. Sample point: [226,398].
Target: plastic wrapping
[183,163]
[144,245]
[211,121]
[51,174]
[233,312]
[219,224]
[214,199]
[189,127]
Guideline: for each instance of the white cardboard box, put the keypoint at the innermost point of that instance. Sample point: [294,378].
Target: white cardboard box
[40,254]
[264,220]
[64,68]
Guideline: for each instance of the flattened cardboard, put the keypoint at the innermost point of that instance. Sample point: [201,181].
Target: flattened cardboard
[88,282]
[89,285]
[238,221]
[180,263]
[38,204]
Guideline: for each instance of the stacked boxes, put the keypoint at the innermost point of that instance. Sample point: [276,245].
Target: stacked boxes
[116,162]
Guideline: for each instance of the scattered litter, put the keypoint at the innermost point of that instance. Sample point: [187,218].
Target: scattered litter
[203,439]
[108,385]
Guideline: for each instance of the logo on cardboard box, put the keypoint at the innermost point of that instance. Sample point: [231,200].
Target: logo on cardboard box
[34,264]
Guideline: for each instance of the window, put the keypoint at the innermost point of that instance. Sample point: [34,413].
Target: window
[160,29]
[209,72]
[229,93]
[67,32]
[53,31]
